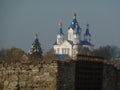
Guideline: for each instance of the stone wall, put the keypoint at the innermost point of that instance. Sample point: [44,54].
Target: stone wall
[56,75]
[109,77]
[66,76]
[42,76]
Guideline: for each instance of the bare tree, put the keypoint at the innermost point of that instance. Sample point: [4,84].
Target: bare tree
[85,51]
[108,52]
[49,56]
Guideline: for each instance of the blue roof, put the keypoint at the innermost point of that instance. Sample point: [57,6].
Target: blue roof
[55,43]
[73,24]
[87,33]
[62,56]
[85,42]
[60,31]
[70,42]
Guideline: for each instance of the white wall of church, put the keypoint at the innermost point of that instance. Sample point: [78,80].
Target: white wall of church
[60,39]
[76,39]
[70,34]
[65,48]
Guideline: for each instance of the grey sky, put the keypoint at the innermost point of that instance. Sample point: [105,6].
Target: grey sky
[21,19]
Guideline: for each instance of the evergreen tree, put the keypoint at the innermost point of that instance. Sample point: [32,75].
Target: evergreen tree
[36,50]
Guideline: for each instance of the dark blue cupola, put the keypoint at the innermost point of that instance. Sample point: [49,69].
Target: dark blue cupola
[76,33]
[73,23]
[87,35]
[60,29]
[60,35]
[87,39]
[77,29]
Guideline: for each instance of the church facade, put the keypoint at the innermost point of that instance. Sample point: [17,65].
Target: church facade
[71,46]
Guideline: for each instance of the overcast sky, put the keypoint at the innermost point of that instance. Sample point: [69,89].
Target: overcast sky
[21,19]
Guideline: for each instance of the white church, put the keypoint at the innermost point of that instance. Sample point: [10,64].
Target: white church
[71,46]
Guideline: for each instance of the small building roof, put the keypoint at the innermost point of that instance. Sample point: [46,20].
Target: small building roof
[62,56]
[85,42]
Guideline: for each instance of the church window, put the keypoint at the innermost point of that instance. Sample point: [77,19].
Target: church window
[62,50]
[58,40]
[67,50]
[58,50]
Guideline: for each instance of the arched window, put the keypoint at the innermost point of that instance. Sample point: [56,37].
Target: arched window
[58,50]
